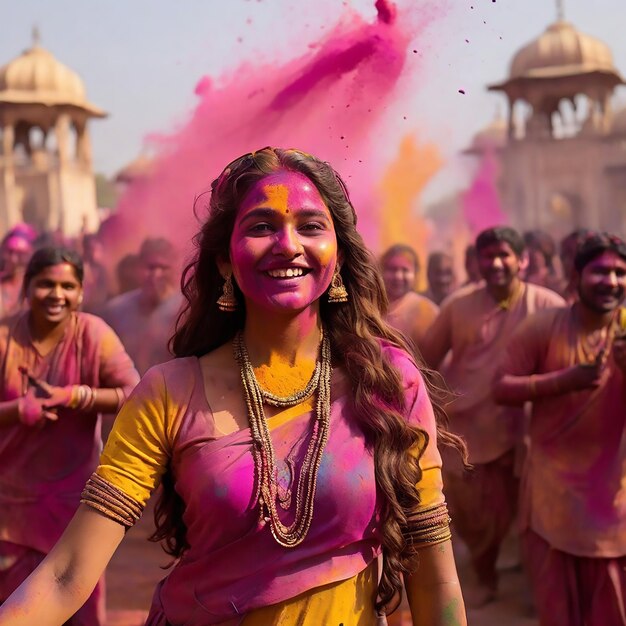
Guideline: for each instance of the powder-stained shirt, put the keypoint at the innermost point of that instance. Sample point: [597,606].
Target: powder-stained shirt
[233,565]
[574,486]
[43,469]
[476,329]
[412,315]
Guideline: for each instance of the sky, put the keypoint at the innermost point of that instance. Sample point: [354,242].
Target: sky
[140,60]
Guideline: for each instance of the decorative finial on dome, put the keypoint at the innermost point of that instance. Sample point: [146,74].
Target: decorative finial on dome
[560,10]
[36,36]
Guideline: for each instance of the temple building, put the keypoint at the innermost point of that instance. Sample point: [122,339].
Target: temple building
[46,175]
[562,149]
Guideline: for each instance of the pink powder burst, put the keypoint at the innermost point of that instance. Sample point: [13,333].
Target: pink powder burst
[328,102]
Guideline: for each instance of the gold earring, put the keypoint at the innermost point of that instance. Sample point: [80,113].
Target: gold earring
[227,301]
[337,292]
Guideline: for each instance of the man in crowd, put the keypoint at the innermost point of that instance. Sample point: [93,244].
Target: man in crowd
[440,276]
[96,287]
[475,325]
[571,364]
[408,312]
[144,318]
[472,271]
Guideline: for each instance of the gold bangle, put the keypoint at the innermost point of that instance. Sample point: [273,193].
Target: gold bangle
[121,398]
[74,397]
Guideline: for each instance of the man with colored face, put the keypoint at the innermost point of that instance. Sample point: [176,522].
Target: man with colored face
[144,318]
[571,364]
[409,312]
[475,324]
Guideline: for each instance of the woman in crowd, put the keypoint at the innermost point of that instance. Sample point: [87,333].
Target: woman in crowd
[293,435]
[409,312]
[59,370]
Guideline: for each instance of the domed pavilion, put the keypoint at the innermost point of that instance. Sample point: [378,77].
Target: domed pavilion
[46,176]
[564,154]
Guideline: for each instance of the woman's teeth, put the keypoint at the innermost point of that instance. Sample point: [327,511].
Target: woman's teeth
[287,273]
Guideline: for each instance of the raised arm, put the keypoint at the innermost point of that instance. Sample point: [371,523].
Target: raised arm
[514,390]
[67,576]
[519,379]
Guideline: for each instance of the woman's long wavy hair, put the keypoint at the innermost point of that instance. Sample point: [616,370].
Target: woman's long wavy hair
[355,329]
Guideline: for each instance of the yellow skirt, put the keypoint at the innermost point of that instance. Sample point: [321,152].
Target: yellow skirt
[344,603]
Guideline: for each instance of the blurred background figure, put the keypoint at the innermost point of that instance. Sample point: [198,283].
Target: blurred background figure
[408,312]
[59,370]
[567,252]
[440,276]
[15,251]
[144,318]
[96,282]
[128,273]
[543,264]
[472,269]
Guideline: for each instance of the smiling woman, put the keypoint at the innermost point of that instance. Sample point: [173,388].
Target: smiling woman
[293,434]
[58,370]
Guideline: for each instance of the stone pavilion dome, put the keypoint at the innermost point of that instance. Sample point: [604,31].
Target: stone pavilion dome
[37,77]
[562,50]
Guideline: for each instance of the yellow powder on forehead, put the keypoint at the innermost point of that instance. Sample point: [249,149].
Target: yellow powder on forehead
[283,379]
[277,194]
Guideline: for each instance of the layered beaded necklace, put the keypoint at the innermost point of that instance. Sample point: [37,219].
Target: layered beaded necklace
[267,489]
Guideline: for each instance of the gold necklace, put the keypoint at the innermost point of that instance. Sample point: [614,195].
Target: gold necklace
[591,348]
[267,491]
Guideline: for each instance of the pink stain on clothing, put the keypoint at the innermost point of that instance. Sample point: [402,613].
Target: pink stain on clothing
[329,102]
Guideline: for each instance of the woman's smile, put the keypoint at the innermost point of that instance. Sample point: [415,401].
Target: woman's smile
[283,249]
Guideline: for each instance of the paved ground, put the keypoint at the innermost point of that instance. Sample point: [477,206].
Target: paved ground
[136,568]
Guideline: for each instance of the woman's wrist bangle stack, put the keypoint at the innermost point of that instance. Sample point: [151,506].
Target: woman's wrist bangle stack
[83,398]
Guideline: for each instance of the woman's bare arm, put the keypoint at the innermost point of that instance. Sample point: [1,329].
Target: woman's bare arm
[433,591]
[67,576]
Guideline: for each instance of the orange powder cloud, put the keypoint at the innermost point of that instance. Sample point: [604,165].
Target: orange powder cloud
[400,189]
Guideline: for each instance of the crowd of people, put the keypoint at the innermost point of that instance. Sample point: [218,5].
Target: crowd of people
[533,350]
[301,439]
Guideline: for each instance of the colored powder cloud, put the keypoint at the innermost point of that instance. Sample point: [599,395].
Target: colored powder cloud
[481,202]
[330,102]
[400,190]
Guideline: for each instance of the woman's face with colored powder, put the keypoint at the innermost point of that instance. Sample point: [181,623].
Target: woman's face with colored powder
[399,274]
[283,249]
[54,293]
